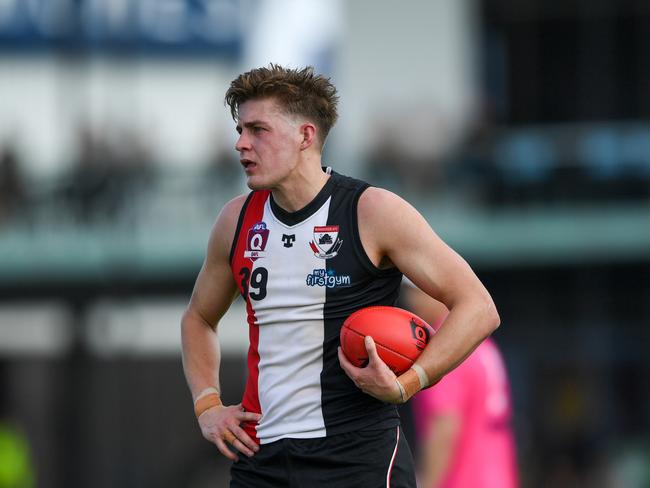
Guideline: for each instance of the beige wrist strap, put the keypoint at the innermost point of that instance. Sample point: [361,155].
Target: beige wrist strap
[205,400]
[422,374]
[409,383]
[402,393]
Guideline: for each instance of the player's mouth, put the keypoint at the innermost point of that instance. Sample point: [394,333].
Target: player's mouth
[248,164]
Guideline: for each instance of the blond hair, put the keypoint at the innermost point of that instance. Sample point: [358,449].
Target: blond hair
[297,92]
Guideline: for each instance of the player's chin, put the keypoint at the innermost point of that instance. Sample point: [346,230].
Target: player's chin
[257,183]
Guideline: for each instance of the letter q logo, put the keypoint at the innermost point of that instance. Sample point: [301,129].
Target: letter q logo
[420,334]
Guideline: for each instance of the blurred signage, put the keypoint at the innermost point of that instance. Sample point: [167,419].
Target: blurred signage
[209,27]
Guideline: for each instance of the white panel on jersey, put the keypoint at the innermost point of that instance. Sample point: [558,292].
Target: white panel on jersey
[291,332]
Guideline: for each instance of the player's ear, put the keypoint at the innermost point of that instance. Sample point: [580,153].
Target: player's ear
[308,133]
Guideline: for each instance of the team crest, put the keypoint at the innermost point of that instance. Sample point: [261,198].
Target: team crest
[258,236]
[326,243]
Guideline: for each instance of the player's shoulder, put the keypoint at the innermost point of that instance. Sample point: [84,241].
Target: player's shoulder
[231,210]
[380,203]
[379,196]
[225,225]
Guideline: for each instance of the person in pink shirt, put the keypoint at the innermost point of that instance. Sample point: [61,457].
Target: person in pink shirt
[463,423]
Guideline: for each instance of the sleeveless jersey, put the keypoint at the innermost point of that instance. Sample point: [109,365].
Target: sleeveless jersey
[301,275]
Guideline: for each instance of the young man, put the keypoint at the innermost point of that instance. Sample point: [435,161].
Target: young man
[305,249]
[463,424]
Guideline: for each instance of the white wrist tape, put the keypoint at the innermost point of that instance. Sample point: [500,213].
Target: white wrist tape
[422,375]
[402,392]
[206,392]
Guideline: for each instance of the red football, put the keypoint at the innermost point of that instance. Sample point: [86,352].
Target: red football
[400,336]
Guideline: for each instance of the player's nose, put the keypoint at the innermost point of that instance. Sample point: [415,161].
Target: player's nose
[243,143]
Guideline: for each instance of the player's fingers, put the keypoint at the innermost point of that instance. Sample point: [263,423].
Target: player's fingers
[245,439]
[228,436]
[239,445]
[371,348]
[345,364]
[223,449]
[248,416]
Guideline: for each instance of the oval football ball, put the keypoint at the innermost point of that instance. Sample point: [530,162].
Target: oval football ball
[400,336]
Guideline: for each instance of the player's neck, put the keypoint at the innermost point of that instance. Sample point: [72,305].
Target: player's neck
[301,187]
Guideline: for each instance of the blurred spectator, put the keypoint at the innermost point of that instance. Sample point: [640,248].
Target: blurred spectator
[12,186]
[89,179]
[384,161]
[463,426]
[471,171]
[223,167]
[106,173]
[131,169]
[409,150]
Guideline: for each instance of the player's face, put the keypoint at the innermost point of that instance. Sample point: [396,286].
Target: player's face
[269,143]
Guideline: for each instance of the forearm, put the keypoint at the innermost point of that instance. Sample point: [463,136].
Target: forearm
[466,326]
[201,355]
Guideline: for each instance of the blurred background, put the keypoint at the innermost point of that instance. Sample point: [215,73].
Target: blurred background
[520,129]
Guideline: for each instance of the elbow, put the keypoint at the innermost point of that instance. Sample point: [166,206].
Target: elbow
[487,316]
[492,318]
[185,319]
[191,319]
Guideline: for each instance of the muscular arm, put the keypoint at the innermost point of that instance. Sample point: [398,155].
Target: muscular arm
[213,294]
[394,233]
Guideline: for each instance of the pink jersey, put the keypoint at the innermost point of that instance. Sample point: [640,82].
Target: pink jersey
[479,393]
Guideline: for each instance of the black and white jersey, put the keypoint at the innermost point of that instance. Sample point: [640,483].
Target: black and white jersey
[301,275]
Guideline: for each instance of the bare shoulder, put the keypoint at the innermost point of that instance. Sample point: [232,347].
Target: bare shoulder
[231,210]
[383,208]
[215,287]
[385,220]
[225,226]
[377,196]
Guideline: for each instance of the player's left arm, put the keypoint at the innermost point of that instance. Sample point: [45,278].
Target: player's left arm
[393,233]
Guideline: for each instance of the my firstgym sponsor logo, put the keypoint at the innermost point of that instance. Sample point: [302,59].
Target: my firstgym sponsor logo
[328,278]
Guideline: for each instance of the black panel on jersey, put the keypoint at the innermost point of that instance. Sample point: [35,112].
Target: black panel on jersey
[345,407]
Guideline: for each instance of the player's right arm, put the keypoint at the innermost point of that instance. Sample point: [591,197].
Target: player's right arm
[214,292]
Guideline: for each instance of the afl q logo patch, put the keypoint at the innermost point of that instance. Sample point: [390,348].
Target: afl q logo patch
[420,334]
[258,236]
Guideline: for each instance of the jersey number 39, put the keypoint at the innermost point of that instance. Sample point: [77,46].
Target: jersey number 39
[254,284]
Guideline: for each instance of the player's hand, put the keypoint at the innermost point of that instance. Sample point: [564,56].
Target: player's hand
[221,426]
[376,379]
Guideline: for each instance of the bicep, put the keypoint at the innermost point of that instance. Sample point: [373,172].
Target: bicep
[428,261]
[215,287]
[214,292]
[393,228]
